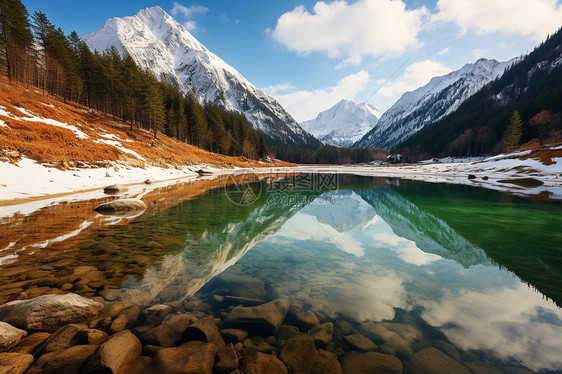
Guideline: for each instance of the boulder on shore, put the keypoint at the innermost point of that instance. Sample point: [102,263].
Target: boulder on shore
[121,205]
[49,312]
[115,189]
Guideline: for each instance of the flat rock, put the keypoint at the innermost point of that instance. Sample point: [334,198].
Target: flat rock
[301,356]
[432,360]
[191,357]
[409,332]
[125,319]
[156,313]
[322,334]
[121,205]
[115,189]
[204,330]
[241,285]
[233,335]
[168,332]
[388,341]
[115,355]
[306,320]
[15,363]
[49,312]
[68,361]
[298,353]
[265,319]
[371,363]
[260,363]
[360,342]
[10,336]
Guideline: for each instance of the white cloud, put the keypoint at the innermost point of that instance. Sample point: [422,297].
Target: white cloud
[351,31]
[444,51]
[536,18]
[304,105]
[279,88]
[188,12]
[416,75]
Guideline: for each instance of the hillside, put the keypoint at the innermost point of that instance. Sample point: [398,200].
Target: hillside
[42,137]
[530,86]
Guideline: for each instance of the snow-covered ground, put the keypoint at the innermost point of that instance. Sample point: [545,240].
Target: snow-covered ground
[41,186]
[488,173]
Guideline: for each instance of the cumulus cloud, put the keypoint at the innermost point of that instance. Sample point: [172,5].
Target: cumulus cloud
[304,105]
[188,12]
[416,75]
[351,31]
[536,18]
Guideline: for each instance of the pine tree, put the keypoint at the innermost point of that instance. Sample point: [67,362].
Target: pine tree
[513,132]
[16,39]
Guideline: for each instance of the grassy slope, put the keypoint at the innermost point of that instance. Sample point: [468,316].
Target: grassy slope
[60,147]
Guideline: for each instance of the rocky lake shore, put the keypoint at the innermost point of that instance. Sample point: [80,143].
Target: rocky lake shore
[80,324]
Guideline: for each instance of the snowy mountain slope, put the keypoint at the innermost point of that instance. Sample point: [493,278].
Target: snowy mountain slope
[426,105]
[343,124]
[160,44]
[430,233]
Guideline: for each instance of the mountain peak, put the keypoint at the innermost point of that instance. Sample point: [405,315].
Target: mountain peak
[425,105]
[342,124]
[158,43]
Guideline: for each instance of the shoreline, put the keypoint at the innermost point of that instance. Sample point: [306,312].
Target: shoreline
[502,173]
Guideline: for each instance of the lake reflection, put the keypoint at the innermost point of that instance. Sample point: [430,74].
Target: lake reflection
[365,269]
[475,273]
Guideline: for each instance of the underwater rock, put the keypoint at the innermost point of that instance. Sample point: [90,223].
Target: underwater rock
[49,312]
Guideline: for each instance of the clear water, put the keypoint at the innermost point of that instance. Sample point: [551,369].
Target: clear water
[466,270]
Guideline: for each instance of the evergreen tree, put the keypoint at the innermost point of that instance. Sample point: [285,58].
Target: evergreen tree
[16,39]
[513,132]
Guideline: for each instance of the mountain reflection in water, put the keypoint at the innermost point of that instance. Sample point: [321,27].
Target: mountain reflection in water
[480,269]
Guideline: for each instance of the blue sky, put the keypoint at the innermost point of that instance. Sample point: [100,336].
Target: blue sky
[311,54]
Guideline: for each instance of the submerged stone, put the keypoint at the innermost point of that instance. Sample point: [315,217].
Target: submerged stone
[432,360]
[371,363]
[264,320]
[49,312]
[10,336]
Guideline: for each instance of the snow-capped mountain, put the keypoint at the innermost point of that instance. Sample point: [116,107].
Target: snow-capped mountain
[343,124]
[426,105]
[160,44]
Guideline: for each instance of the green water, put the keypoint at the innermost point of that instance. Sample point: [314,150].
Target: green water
[473,272]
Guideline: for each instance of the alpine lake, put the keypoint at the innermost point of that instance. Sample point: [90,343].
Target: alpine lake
[440,277]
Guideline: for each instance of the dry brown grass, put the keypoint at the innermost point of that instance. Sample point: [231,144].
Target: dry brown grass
[544,155]
[59,146]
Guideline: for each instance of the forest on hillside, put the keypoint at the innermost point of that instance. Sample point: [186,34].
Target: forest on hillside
[36,52]
[530,90]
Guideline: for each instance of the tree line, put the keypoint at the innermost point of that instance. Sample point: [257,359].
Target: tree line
[36,52]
